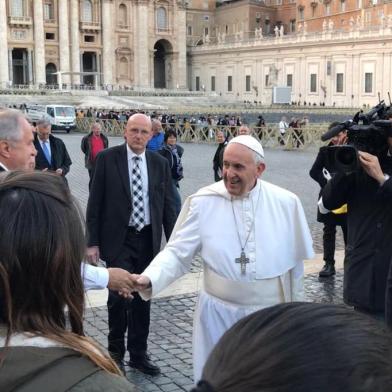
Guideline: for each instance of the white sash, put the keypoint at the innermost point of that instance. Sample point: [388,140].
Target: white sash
[263,292]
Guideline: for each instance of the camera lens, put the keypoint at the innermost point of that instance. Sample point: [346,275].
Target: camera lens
[346,156]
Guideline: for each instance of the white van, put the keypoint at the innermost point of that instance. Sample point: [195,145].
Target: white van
[61,117]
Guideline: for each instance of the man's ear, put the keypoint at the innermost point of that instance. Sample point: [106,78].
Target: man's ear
[5,148]
[260,169]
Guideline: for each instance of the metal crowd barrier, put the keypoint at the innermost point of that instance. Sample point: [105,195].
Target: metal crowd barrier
[269,135]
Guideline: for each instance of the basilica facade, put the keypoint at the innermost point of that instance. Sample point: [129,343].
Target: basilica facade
[93,42]
[333,52]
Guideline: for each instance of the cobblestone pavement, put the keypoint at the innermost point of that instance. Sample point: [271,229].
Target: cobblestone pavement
[171,317]
[170,341]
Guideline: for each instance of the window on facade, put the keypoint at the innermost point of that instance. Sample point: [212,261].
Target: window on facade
[189,30]
[339,82]
[313,83]
[89,38]
[313,12]
[122,15]
[123,67]
[206,32]
[230,83]
[327,9]
[266,81]
[292,25]
[289,80]
[247,83]
[87,11]
[161,18]
[48,10]
[17,8]
[301,14]
[227,29]
[49,36]
[368,82]
[212,83]
[197,83]
[342,5]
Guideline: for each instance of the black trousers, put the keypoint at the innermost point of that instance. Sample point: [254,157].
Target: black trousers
[329,239]
[124,314]
[91,175]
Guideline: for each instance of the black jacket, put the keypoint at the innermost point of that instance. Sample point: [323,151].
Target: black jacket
[369,244]
[166,152]
[316,172]
[109,205]
[86,147]
[59,154]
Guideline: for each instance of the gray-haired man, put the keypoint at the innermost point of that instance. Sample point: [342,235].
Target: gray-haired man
[52,154]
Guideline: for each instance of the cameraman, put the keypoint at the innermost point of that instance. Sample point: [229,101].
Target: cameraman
[368,194]
[333,218]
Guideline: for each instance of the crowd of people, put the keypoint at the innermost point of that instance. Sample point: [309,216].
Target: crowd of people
[251,330]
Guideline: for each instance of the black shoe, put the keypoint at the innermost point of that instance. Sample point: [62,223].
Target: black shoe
[144,364]
[327,271]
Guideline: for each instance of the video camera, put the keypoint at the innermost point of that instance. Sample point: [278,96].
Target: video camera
[365,132]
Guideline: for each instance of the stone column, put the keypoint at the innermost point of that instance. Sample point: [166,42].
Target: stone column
[107,41]
[180,78]
[4,68]
[81,80]
[356,81]
[39,43]
[98,79]
[30,66]
[75,41]
[142,46]
[64,40]
[10,69]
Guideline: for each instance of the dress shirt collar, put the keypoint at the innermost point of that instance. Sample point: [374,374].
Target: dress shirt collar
[131,154]
[4,166]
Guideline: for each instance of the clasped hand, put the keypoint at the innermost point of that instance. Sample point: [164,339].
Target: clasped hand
[127,283]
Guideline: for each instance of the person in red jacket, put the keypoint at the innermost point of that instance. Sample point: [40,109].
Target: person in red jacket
[91,145]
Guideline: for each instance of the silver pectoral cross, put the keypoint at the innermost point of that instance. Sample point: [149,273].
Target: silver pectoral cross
[243,260]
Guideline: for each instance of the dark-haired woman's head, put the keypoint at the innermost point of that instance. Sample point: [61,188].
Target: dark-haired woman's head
[301,347]
[41,248]
[170,137]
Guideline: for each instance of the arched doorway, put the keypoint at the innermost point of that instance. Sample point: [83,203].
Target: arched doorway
[51,78]
[163,64]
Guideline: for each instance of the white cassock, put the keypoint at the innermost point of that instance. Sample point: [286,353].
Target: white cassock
[278,243]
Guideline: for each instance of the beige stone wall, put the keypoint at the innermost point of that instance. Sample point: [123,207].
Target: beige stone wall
[343,15]
[344,58]
[346,69]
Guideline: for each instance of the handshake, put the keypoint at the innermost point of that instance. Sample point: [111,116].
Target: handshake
[126,283]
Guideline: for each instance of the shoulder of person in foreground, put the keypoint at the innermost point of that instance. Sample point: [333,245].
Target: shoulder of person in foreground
[103,381]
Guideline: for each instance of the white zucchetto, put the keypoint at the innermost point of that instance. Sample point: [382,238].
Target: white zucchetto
[250,142]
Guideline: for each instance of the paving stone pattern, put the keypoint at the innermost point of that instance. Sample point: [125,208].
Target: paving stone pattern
[170,341]
[171,318]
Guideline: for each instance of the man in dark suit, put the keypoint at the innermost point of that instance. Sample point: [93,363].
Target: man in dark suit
[17,152]
[130,200]
[52,154]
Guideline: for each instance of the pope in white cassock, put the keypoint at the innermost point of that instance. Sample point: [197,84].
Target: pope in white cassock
[252,237]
